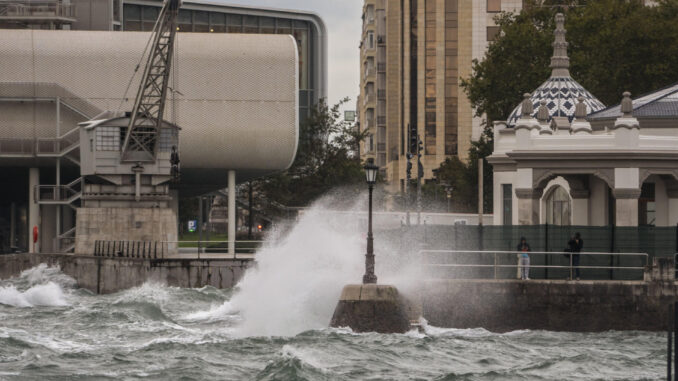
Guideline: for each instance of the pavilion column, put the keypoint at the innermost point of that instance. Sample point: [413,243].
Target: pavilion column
[626,206]
[672,194]
[580,207]
[528,205]
[231,213]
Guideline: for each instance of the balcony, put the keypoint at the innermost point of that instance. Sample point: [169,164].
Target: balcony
[369,98]
[369,71]
[381,67]
[381,121]
[381,94]
[381,40]
[47,11]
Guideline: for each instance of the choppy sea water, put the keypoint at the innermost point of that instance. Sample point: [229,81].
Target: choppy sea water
[49,329]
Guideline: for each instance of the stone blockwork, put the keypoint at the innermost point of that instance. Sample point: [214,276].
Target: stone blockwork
[371,308]
[581,306]
[108,275]
[123,224]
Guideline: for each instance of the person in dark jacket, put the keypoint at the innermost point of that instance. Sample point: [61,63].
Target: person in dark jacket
[524,259]
[574,247]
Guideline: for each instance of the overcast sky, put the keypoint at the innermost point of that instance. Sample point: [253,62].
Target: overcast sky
[342,19]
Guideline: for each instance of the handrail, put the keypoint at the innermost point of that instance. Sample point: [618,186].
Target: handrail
[202,247]
[496,265]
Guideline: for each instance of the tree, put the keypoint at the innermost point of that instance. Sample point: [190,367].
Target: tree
[614,46]
[325,159]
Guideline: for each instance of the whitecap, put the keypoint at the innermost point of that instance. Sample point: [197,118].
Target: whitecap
[48,294]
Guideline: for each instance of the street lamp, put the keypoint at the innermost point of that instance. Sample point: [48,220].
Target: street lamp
[371,177]
[448,190]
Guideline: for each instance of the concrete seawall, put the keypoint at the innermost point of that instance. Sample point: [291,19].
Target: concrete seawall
[107,275]
[581,306]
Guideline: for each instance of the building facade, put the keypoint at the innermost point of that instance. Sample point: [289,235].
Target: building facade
[562,158]
[412,56]
[197,16]
[238,94]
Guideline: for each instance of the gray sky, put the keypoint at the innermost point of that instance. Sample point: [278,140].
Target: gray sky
[344,26]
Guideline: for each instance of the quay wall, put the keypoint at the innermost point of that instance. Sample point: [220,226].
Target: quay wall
[107,275]
[575,306]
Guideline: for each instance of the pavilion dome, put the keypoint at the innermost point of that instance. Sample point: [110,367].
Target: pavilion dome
[560,91]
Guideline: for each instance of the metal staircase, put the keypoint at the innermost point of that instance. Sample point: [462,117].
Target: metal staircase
[67,194]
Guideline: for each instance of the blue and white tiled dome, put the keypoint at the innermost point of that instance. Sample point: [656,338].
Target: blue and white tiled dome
[560,91]
[560,94]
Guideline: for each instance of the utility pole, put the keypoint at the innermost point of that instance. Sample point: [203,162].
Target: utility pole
[480,192]
[250,217]
[420,175]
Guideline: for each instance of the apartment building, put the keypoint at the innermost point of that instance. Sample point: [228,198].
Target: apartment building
[412,55]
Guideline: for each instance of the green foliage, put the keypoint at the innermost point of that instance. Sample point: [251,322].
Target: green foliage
[325,159]
[614,46]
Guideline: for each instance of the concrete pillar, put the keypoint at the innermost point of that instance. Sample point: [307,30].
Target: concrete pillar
[626,206]
[33,208]
[580,206]
[231,213]
[12,225]
[174,205]
[528,205]
[626,192]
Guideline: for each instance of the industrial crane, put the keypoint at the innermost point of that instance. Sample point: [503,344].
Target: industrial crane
[129,158]
[140,144]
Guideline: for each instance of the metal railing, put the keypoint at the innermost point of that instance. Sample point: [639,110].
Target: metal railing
[130,249]
[508,260]
[198,248]
[37,9]
[59,193]
[17,146]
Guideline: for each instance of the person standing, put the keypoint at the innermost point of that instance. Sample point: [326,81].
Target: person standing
[574,246]
[524,259]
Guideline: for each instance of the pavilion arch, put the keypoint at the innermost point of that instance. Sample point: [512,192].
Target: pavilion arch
[556,203]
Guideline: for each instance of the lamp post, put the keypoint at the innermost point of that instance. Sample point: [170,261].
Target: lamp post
[371,175]
[448,190]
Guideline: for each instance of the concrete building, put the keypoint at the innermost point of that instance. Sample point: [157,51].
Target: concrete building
[412,54]
[563,158]
[237,96]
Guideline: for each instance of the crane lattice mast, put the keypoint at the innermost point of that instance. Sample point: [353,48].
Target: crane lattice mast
[140,144]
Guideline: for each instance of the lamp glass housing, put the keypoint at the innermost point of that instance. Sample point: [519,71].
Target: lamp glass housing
[371,172]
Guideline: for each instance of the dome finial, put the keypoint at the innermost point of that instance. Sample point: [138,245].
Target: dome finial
[527,108]
[580,109]
[627,105]
[542,112]
[560,62]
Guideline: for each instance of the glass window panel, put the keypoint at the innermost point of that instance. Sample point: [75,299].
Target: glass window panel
[184,22]
[217,19]
[234,23]
[284,26]
[200,17]
[150,13]
[494,5]
[250,24]
[492,33]
[267,25]
[132,12]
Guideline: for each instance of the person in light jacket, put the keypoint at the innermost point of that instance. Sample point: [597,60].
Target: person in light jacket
[524,259]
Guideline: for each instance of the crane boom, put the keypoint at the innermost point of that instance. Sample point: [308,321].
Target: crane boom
[140,144]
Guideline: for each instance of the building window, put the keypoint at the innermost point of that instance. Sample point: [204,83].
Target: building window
[507,202]
[168,137]
[558,207]
[108,139]
[149,17]
[646,205]
[201,21]
[234,23]
[217,22]
[494,5]
[492,33]
[132,15]
[370,40]
[185,21]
